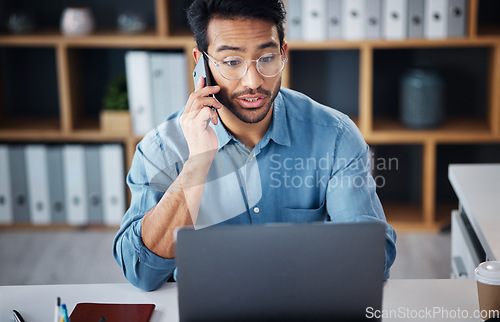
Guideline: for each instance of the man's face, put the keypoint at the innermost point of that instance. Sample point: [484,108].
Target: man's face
[249,98]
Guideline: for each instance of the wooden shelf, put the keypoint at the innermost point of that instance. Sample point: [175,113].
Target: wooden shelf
[29,125]
[101,38]
[453,130]
[486,41]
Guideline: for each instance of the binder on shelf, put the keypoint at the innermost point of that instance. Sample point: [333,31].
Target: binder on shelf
[314,26]
[294,20]
[138,73]
[373,21]
[178,82]
[353,13]
[94,193]
[436,19]
[416,18]
[160,86]
[55,168]
[394,17]
[112,183]
[75,184]
[334,19]
[457,17]
[20,198]
[38,183]
[6,214]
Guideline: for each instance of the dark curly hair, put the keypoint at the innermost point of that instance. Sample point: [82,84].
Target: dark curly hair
[201,12]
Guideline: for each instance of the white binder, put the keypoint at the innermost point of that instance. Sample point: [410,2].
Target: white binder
[139,89]
[75,184]
[394,17]
[160,86]
[38,183]
[6,213]
[373,19]
[178,82]
[294,19]
[457,16]
[334,19]
[353,17]
[314,13]
[113,183]
[436,19]
[416,18]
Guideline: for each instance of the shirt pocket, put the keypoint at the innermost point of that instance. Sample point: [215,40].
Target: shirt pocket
[302,215]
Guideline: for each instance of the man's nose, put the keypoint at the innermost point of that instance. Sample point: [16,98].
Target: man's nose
[252,78]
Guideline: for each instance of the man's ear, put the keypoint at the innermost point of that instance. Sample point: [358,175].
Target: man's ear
[196,54]
[285,49]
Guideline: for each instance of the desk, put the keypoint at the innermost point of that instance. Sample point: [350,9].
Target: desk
[475,225]
[36,303]
[478,189]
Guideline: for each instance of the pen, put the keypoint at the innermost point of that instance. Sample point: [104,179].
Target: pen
[17,316]
[64,313]
[57,310]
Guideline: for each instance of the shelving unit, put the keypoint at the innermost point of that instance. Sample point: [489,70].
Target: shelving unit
[76,122]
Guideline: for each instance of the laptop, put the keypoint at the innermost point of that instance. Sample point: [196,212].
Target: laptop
[280,272]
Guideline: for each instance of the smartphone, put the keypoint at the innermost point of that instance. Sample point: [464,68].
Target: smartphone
[202,70]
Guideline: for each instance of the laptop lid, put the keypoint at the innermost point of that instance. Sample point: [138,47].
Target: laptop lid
[280,272]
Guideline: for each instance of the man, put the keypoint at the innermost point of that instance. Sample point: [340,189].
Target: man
[245,151]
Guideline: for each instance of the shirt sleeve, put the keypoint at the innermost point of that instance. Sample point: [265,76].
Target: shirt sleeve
[141,267]
[351,192]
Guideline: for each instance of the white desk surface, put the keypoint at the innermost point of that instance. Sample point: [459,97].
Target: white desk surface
[412,297]
[478,189]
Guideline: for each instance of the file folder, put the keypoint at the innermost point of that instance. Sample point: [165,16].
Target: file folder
[38,183]
[314,12]
[416,19]
[113,183]
[334,19]
[20,198]
[75,184]
[94,193]
[395,15]
[137,64]
[294,19]
[373,19]
[436,19]
[56,182]
[6,214]
[457,17]
[160,85]
[177,82]
[353,17]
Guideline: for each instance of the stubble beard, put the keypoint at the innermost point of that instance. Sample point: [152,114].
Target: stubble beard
[250,116]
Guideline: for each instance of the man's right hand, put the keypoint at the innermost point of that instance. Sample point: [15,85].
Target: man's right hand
[201,138]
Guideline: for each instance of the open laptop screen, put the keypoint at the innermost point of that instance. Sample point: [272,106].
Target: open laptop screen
[280,272]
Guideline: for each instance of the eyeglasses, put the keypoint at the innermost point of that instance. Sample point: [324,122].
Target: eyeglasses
[234,67]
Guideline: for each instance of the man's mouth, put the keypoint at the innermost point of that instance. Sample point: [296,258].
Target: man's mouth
[251,101]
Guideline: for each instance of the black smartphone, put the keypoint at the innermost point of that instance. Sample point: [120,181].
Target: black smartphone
[202,70]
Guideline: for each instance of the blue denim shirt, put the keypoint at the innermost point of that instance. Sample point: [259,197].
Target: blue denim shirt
[311,165]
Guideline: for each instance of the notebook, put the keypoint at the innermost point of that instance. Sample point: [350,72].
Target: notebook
[280,272]
[85,312]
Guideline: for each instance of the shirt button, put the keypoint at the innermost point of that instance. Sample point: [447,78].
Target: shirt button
[256,210]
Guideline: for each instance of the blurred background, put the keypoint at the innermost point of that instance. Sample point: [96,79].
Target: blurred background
[81,82]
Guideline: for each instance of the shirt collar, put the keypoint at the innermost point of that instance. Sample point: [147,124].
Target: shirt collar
[278,129]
